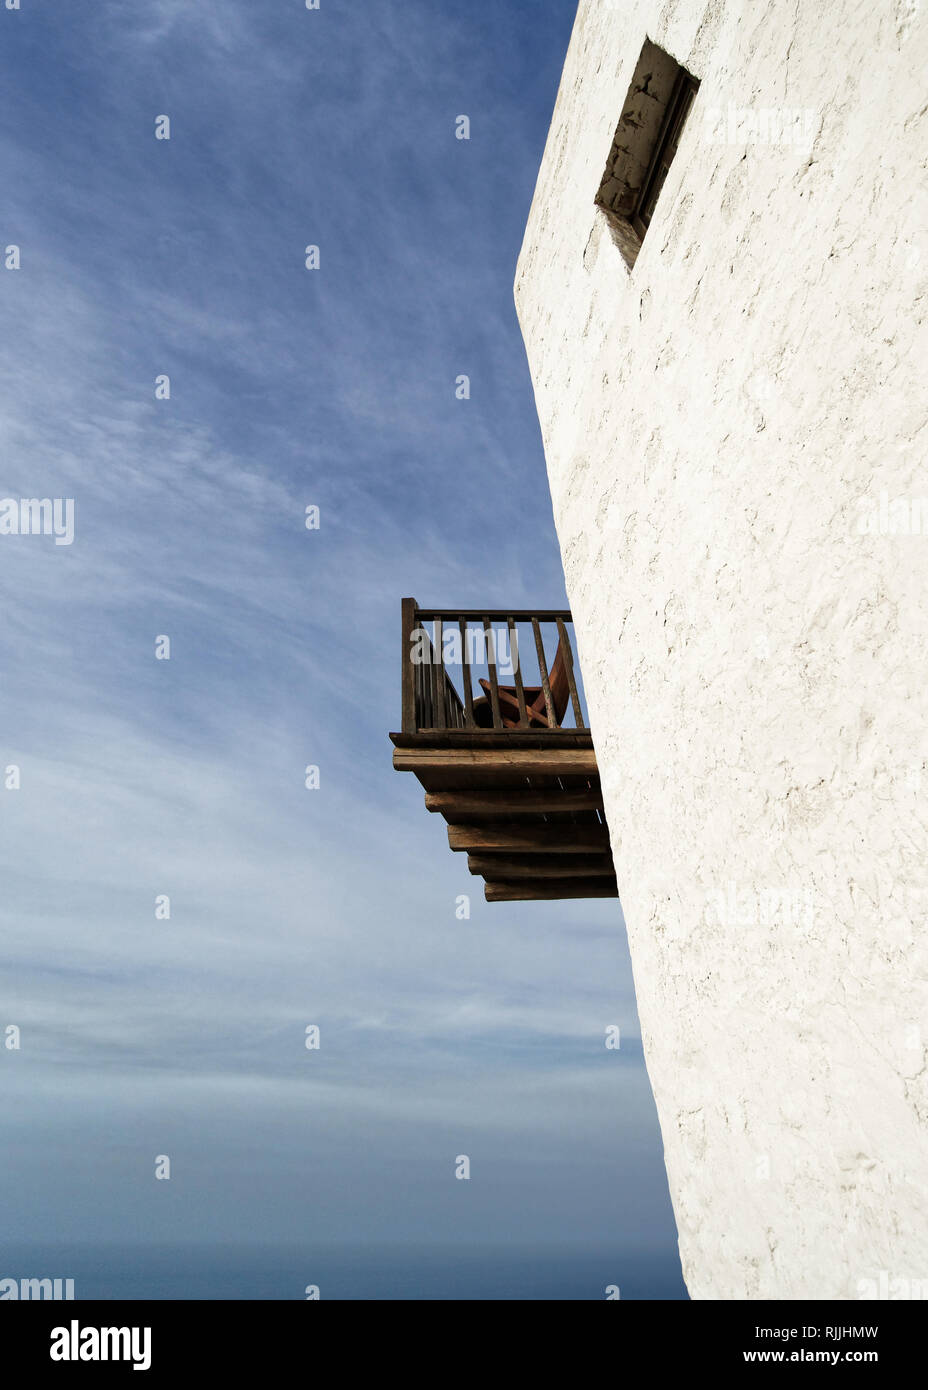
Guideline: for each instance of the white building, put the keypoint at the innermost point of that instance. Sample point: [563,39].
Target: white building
[735,428]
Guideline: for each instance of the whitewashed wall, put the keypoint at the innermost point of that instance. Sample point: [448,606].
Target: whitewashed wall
[756,667]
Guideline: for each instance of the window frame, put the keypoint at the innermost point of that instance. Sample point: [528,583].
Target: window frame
[671,132]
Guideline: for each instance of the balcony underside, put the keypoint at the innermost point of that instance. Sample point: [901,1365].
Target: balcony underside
[526,808]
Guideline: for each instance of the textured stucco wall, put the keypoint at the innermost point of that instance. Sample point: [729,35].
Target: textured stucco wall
[756,665]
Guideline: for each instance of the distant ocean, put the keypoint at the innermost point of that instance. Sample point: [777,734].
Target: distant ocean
[400,1272]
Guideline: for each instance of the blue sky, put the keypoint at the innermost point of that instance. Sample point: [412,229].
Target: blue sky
[185,777]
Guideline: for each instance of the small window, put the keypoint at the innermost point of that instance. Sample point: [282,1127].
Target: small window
[653,117]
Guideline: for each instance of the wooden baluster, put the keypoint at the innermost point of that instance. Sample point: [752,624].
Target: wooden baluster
[491,663]
[520,689]
[438,675]
[465,667]
[569,659]
[543,668]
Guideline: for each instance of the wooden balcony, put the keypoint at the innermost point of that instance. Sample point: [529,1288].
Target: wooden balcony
[510,765]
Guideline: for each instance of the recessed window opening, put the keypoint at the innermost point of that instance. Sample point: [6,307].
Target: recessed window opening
[646,140]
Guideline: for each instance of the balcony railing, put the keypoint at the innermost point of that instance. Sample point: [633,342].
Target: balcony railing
[530,683]
[494,728]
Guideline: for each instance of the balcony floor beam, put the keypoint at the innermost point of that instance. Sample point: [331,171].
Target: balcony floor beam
[551,890]
[515,802]
[515,762]
[495,866]
[541,839]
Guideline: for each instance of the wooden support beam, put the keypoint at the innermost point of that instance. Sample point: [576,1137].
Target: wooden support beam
[512,801]
[541,839]
[551,890]
[506,866]
[494,739]
[520,762]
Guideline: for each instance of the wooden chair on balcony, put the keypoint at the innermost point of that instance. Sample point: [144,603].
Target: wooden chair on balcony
[536,708]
